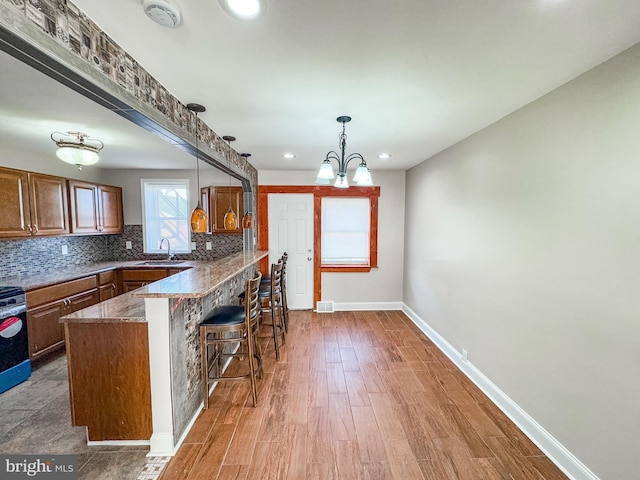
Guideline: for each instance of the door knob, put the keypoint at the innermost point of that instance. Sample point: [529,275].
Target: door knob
[309,259]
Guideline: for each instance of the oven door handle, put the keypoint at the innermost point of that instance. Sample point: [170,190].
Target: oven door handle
[12,311]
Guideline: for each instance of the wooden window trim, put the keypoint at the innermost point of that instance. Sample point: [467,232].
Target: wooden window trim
[318,192]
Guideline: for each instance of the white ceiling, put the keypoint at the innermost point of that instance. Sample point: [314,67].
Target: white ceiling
[416,75]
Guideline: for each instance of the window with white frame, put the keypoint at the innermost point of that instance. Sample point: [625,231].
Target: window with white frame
[165,214]
[345,231]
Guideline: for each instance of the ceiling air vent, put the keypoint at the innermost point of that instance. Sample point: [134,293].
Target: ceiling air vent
[163,12]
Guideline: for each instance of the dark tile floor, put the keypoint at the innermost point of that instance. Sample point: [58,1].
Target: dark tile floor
[35,419]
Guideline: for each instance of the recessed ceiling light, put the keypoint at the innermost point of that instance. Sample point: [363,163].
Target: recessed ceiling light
[244,9]
[288,155]
[384,156]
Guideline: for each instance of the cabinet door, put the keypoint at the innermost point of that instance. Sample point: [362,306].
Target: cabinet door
[84,207]
[46,333]
[107,291]
[220,198]
[111,216]
[14,198]
[205,201]
[129,286]
[139,277]
[48,198]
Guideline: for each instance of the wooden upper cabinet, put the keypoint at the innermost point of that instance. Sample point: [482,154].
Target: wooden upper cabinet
[216,201]
[95,208]
[111,213]
[15,220]
[48,198]
[32,204]
[84,207]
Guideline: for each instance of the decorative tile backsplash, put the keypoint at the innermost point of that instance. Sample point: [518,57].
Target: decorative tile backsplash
[222,245]
[38,255]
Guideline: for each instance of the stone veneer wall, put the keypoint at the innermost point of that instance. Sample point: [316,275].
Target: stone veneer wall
[61,29]
[31,256]
[186,374]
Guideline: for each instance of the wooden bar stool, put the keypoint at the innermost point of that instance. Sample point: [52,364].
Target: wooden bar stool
[270,297]
[224,326]
[266,279]
[285,307]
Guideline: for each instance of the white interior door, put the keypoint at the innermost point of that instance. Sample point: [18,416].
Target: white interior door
[291,231]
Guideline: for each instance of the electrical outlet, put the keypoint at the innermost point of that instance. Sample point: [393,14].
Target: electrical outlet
[465,356]
[65,250]
[128,245]
[193,245]
[208,245]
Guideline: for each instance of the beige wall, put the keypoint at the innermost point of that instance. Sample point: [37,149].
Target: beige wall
[381,285]
[129,180]
[523,248]
[50,164]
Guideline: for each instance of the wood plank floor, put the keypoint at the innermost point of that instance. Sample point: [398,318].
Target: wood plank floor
[356,395]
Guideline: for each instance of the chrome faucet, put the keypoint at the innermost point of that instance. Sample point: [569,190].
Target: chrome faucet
[169,254]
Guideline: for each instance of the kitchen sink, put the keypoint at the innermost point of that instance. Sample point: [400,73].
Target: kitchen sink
[161,262]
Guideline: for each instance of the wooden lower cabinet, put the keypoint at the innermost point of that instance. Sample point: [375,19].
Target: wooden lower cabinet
[131,279]
[109,380]
[108,285]
[46,305]
[46,334]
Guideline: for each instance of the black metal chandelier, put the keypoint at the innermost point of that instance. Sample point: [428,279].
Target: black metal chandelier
[362,177]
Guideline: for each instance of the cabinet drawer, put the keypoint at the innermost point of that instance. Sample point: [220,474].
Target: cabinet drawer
[148,275]
[82,300]
[106,277]
[60,290]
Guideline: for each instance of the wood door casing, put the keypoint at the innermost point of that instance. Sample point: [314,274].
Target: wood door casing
[318,192]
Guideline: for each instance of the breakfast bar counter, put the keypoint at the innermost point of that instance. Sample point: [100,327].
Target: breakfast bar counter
[134,360]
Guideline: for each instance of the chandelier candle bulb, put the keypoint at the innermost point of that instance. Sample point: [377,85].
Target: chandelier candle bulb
[362,177]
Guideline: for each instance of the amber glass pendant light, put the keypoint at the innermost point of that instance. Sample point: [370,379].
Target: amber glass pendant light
[198,216]
[247,221]
[230,218]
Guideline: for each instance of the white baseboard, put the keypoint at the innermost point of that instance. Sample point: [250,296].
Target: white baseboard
[553,449]
[355,306]
[118,443]
[161,445]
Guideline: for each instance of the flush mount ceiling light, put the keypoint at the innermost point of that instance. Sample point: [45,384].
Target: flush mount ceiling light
[244,9]
[77,148]
[199,215]
[163,12]
[288,156]
[362,176]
